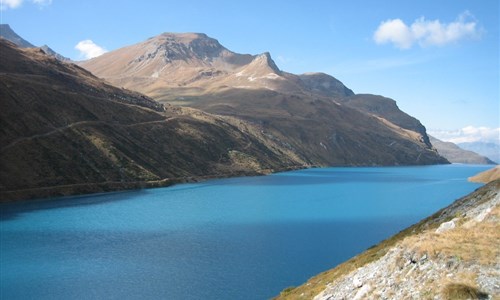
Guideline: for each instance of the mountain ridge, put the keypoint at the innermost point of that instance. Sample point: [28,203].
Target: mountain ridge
[64,132]
[455,154]
[255,89]
[488,149]
[53,110]
[9,34]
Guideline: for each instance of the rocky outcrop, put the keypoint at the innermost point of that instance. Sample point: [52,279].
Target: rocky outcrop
[438,258]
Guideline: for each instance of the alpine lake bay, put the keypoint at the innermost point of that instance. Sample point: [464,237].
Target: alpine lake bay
[237,238]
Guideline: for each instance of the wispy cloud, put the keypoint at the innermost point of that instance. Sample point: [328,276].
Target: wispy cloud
[426,32]
[12,4]
[468,134]
[88,49]
[6,4]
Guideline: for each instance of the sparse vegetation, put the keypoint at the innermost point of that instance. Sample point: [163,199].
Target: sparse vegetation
[472,243]
[458,291]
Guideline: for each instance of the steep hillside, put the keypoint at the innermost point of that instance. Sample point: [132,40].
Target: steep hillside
[455,154]
[310,113]
[453,254]
[64,131]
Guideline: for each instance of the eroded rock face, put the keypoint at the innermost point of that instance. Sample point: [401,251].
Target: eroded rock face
[446,226]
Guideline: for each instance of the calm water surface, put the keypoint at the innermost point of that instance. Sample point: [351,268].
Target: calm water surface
[239,238]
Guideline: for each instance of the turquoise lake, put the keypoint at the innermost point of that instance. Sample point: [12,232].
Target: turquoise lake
[238,238]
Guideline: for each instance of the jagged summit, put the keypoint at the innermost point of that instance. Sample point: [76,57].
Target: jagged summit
[7,33]
[265,60]
[10,35]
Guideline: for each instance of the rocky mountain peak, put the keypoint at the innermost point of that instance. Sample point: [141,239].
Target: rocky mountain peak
[265,60]
[7,33]
[183,46]
[51,52]
[10,35]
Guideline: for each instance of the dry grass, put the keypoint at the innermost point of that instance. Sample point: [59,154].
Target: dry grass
[244,160]
[475,244]
[457,291]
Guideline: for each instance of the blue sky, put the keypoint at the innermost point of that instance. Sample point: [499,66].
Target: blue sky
[438,59]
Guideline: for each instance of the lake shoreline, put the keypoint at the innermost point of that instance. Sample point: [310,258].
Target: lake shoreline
[206,236]
[115,186]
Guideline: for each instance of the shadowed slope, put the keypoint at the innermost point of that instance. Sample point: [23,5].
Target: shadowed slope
[64,131]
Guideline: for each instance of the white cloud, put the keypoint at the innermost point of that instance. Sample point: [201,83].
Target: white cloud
[425,32]
[5,4]
[88,49]
[394,31]
[468,134]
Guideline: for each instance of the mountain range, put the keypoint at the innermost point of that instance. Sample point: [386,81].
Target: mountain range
[314,114]
[456,154]
[490,150]
[65,131]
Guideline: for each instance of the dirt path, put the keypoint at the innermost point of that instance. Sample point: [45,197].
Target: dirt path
[60,129]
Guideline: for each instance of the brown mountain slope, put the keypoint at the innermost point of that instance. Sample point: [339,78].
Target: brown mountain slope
[325,132]
[455,154]
[487,176]
[171,65]
[450,255]
[64,131]
[306,113]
